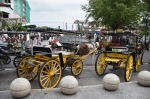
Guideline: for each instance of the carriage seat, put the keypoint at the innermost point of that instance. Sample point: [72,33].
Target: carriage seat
[4,52]
[45,50]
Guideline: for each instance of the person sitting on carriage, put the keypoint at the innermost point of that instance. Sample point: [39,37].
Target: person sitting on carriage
[50,40]
[97,39]
[90,37]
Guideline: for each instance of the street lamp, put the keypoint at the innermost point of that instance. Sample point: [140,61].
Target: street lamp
[72,27]
[146,32]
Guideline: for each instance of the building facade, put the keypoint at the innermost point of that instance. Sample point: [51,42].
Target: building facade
[22,8]
[15,9]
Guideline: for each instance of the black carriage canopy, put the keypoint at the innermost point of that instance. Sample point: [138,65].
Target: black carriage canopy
[125,33]
[14,32]
[53,31]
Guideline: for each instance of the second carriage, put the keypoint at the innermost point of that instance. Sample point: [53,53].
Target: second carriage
[122,50]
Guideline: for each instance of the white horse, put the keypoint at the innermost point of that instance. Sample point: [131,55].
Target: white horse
[91,46]
[54,45]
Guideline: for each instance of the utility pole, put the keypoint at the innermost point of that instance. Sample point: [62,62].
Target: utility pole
[66,26]
[72,27]
[58,27]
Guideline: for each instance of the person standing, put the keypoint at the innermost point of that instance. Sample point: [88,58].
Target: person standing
[97,39]
[90,36]
[39,40]
[95,36]
[21,41]
[24,41]
[50,40]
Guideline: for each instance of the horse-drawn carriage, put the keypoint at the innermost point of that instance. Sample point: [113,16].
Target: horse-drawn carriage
[49,61]
[9,48]
[122,50]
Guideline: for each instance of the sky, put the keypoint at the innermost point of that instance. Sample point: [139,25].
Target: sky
[54,13]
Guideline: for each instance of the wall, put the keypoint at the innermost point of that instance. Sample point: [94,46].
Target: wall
[12,14]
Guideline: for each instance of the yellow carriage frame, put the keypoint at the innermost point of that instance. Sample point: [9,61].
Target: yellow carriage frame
[48,65]
[127,58]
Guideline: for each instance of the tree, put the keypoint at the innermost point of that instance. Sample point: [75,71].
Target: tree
[148,4]
[17,27]
[114,13]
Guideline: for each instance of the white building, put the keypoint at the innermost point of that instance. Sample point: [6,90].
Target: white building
[14,12]
[7,11]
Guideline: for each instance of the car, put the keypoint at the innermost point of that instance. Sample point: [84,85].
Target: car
[4,45]
[72,40]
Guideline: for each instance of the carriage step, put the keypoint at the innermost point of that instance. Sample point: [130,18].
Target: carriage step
[112,60]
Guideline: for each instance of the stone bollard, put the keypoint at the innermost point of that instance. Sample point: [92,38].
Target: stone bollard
[68,85]
[20,87]
[111,82]
[144,78]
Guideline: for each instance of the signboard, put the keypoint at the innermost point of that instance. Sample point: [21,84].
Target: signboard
[119,30]
[118,50]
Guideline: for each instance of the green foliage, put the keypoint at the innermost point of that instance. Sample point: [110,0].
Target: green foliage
[17,27]
[1,13]
[114,13]
[44,27]
[148,4]
[30,26]
[141,34]
[106,44]
[133,44]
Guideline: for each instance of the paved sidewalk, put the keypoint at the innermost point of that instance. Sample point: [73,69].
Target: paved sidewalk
[130,90]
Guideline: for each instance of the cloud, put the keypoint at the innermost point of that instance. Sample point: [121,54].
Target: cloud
[56,13]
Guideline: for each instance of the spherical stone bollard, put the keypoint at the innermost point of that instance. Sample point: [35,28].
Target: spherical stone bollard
[111,82]
[68,85]
[144,78]
[20,87]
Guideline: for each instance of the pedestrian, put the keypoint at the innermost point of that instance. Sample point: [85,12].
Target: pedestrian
[50,40]
[39,40]
[95,36]
[24,41]
[97,39]
[21,41]
[90,36]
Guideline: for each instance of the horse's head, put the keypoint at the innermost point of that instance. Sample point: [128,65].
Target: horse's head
[54,45]
[83,49]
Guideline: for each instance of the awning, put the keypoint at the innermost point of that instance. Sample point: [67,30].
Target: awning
[12,21]
[14,32]
[53,31]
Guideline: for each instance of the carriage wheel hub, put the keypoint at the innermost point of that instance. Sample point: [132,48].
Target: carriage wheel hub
[51,73]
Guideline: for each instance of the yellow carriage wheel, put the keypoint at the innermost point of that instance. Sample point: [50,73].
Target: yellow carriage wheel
[100,65]
[138,63]
[128,68]
[50,74]
[25,70]
[77,67]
